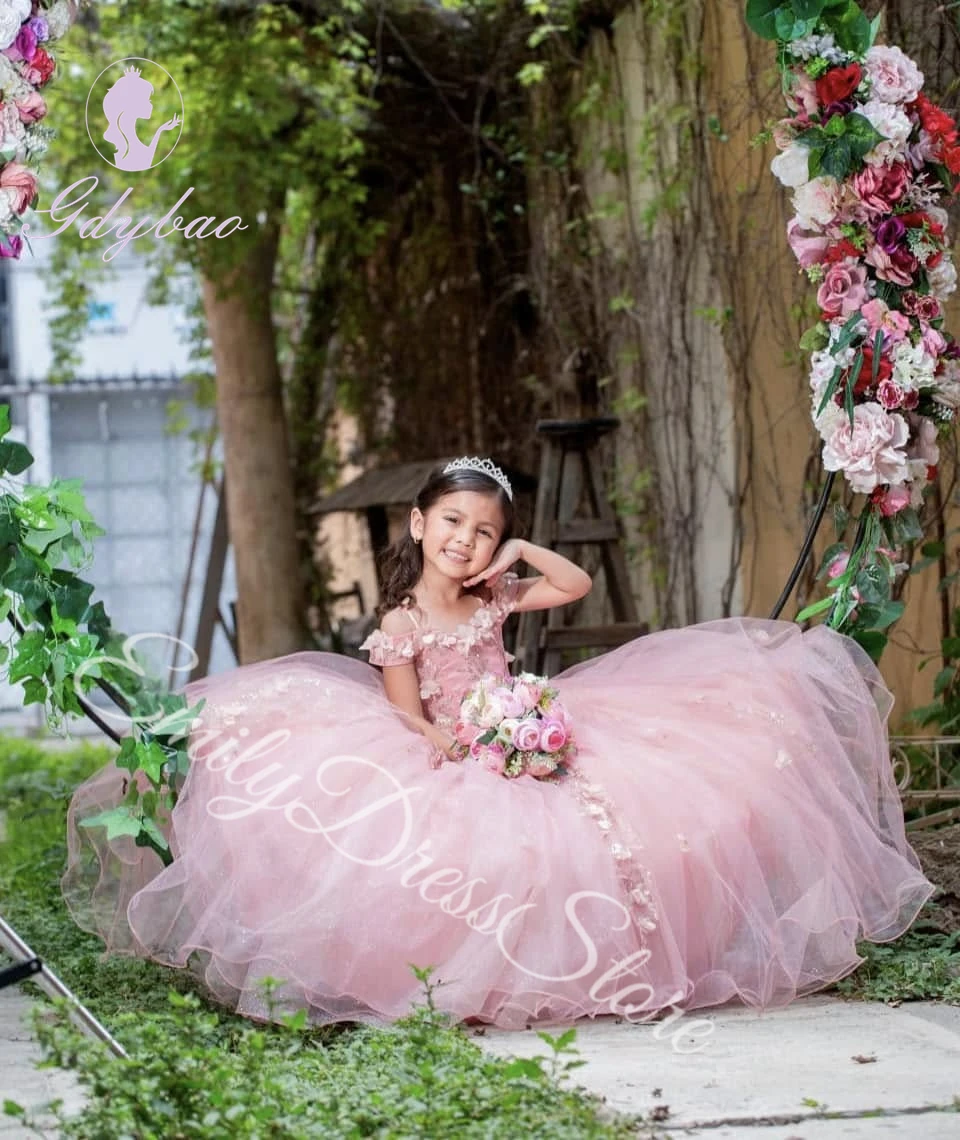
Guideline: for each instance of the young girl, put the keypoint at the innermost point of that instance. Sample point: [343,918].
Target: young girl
[729,829]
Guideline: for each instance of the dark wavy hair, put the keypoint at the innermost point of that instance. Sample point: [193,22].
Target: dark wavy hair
[401,564]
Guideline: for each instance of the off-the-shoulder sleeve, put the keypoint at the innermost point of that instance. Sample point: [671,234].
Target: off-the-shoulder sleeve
[504,594]
[391,648]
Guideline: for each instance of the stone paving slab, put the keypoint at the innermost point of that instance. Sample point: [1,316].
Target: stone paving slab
[739,1065]
[20,1079]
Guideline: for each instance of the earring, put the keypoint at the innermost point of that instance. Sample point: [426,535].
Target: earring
[416,541]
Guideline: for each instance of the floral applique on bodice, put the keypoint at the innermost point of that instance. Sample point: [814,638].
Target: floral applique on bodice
[449,662]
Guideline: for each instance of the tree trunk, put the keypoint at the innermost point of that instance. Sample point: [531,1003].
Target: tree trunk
[259,483]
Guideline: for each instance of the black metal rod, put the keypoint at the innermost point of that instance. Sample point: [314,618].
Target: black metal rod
[807,544]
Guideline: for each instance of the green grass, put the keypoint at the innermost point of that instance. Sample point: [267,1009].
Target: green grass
[196,1071]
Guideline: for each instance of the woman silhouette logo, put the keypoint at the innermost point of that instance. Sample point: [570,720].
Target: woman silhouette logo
[130,97]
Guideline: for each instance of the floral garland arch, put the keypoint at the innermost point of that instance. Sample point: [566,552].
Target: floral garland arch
[869,158]
[28,30]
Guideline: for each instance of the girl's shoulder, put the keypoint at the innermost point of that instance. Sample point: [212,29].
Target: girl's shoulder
[396,641]
[400,619]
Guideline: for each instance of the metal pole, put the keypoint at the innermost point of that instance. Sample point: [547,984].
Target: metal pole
[29,965]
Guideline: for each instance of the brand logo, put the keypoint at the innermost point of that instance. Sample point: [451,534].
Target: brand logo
[123,94]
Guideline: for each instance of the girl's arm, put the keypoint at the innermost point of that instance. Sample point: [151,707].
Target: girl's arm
[402,686]
[559,583]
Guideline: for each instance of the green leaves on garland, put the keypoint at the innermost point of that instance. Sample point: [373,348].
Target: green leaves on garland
[787,20]
[838,148]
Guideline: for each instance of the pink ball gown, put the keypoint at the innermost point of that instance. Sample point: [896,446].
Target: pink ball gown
[730,829]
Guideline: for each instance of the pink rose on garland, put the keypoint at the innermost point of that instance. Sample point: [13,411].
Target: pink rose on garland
[31,108]
[808,249]
[40,68]
[894,77]
[870,452]
[20,184]
[844,289]
[879,316]
[880,187]
[890,395]
[802,96]
[925,447]
[892,500]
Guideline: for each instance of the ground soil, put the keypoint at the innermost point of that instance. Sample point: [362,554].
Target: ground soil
[939,852]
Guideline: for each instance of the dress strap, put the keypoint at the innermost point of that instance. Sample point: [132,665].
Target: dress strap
[411,609]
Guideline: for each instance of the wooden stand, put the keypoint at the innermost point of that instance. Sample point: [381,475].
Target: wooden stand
[570,470]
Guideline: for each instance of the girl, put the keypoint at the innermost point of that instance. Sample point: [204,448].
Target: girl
[729,828]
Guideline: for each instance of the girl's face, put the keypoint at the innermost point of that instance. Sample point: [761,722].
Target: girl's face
[460,532]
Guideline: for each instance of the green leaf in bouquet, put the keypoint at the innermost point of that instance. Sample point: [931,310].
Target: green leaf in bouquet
[872,640]
[908,526]
[815,608]
[850,27]
[873,585]
[815,338]
[837,158]
[761,17]
[807,9]
[815,138]
[831,388]
[487,737]
[788,27]
[14,457]
[836,126]
[150,835]
[889,613]
[861,132]
[855,370]
[848,330]
[118,821]
[832,552]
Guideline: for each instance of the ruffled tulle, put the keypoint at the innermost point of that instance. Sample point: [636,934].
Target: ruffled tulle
[733,830]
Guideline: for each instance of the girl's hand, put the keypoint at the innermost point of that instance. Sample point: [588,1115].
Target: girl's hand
[510,552]
[446,746]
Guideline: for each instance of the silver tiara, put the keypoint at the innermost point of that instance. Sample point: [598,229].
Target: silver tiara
[484,466]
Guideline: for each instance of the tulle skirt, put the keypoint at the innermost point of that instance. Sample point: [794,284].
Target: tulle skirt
[731,830]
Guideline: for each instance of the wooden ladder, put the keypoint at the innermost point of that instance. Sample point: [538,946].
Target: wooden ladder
[570,466]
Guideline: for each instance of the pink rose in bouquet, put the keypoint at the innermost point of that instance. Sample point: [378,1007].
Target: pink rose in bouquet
[553,736]
[511,703]
[526,738]
[516,727]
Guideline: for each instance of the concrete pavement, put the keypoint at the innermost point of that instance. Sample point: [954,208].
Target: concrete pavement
[723,1074]
[736,1074]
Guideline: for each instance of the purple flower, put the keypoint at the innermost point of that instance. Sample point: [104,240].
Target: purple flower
[24,46]
[890,233]
[11,245]
[41,29]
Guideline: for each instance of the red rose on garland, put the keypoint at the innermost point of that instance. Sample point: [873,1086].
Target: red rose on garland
[838,84]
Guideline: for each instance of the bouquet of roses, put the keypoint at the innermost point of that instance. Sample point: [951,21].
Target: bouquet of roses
[516,726]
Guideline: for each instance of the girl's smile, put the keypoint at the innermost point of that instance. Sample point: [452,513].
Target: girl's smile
[460,533]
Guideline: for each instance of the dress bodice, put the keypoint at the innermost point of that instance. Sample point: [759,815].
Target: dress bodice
[448,663]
